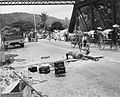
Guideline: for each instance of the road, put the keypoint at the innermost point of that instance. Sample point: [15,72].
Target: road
[83,78]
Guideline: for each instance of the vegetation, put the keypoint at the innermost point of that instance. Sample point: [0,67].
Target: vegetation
[43,18]
[25,21]
[56,26]
[23,25]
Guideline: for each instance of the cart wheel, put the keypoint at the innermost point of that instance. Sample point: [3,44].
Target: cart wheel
[116,47]
[96,59]
[101,46]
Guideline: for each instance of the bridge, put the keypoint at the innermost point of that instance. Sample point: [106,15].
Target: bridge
[77,14]
[38,2]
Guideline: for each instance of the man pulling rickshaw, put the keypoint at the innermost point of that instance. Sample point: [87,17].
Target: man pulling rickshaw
[109,37]
[114,36]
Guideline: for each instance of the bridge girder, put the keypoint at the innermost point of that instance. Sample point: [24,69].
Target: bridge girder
[37,2]
[84,3]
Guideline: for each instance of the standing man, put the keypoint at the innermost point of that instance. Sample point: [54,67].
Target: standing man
[114,36]
[49,35]
[97,35]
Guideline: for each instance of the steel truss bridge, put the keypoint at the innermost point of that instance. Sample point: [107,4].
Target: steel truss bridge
[76,14]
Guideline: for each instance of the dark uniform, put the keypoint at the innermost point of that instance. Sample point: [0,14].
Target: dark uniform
[114,37]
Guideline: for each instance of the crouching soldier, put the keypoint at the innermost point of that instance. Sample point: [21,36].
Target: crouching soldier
[81,55]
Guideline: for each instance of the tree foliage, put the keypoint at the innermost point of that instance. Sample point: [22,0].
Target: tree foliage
[56,26]
[23,25]
[43,17]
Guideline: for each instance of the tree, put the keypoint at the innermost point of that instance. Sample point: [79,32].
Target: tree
[43,17]
[56,26]
[23,25]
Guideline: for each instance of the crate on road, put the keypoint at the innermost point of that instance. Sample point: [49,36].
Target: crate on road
[60,69]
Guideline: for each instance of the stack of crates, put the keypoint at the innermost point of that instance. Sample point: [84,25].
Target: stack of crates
[32,69]
[44,69]
[59,68]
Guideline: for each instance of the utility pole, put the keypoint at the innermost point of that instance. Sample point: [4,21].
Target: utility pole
[0,49]
[34,22]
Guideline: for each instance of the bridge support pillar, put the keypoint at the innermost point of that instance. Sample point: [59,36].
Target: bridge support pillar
[113,7]
[82,18]
[100,16]
[73,20]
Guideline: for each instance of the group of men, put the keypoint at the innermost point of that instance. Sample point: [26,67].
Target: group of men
[32,36]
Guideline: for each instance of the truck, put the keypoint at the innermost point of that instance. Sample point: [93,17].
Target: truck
[12,37]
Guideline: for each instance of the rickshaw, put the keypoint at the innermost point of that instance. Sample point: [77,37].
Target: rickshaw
[105,40]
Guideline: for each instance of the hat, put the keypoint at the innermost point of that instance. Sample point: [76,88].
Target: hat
[115,25]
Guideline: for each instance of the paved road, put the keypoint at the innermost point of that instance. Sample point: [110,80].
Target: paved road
[83,78]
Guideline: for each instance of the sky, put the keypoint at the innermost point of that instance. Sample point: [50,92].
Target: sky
[59,11]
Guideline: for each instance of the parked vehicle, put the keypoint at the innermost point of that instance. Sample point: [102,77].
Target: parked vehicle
[12,37]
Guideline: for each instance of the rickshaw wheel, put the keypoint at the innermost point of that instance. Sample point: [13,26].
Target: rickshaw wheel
[101,46]
[116,47]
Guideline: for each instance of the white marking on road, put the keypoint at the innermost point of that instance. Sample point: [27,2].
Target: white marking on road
[113,60]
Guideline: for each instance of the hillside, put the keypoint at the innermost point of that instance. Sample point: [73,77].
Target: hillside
[6,19]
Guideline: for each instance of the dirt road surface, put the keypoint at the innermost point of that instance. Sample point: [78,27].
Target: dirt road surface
[83,78]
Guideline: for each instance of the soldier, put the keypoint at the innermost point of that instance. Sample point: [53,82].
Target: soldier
[30,36]
[97,36]
[81,55]
[114,35]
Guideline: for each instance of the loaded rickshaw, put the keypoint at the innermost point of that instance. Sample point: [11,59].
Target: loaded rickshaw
[108,38]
